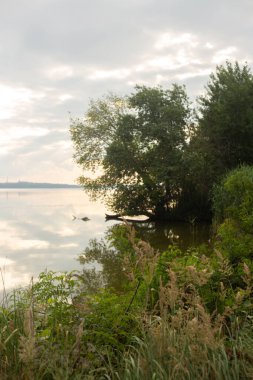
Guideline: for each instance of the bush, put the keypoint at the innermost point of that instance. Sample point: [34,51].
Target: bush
[233,214]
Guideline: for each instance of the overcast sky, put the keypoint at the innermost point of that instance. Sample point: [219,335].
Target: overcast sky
[56,54]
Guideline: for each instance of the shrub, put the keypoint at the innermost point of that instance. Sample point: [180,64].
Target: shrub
[233,214]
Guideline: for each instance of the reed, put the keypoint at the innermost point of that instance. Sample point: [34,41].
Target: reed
[180,317]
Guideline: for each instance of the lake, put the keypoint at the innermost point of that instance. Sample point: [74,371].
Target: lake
[38,232]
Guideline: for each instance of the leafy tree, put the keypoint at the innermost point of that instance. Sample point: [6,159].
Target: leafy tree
[226,119]
[223,137]
[134,148]
[195,201]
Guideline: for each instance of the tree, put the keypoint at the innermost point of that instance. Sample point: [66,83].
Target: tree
[134,147]
[226,119]
[223,138]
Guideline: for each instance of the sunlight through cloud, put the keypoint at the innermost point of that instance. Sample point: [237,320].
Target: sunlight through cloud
[11,99]
[166,40]
[60,72]
[224,54]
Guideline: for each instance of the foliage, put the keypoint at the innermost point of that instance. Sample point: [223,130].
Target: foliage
[137,143]
[179,315]
[233,198]
[226,120]
[221,140]
[53,330]
[197,181]
[189,346]
[149,155]
[233,212]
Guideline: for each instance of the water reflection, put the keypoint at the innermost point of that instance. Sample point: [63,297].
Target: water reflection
[185,235]
[109,252]
[38,232]
[109,270]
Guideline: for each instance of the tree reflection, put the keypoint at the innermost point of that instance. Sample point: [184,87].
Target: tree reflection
[160,235]
[106,256]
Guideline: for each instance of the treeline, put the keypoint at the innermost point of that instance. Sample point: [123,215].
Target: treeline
[153,153]
[35,185]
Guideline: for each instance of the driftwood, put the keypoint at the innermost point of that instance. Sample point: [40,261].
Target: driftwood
[113,216]
[84,219]
[125,218]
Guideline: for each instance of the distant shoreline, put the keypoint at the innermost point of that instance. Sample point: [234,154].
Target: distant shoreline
[36,185]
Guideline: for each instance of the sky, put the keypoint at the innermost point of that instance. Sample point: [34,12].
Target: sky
[55,55]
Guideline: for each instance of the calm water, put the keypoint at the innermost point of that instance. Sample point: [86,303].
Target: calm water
[38,232]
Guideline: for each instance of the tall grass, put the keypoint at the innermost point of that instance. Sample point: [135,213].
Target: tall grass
[179,318]
[182,340]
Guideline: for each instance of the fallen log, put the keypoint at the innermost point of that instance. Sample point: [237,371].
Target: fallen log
[113,216]
[126,218]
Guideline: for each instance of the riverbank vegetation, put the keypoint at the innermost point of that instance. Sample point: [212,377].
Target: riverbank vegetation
[153,153]
[147,314]
[172,315]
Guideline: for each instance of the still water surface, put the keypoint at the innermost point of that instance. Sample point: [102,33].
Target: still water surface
[38,232]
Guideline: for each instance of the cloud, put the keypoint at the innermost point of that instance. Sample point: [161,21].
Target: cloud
[167,39]
[12,99]
[222,55]
[14,138]
[194,74]
[56,54]
[60,72]
[4,262]
[110,74]
[14,241]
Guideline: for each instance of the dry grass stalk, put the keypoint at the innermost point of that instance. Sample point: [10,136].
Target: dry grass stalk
[146,257]
[185,332]
[27,344]
[198,277]
[168,294]
[224,265]
[29,322]
[247,278]
[77,345]
[27,349]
